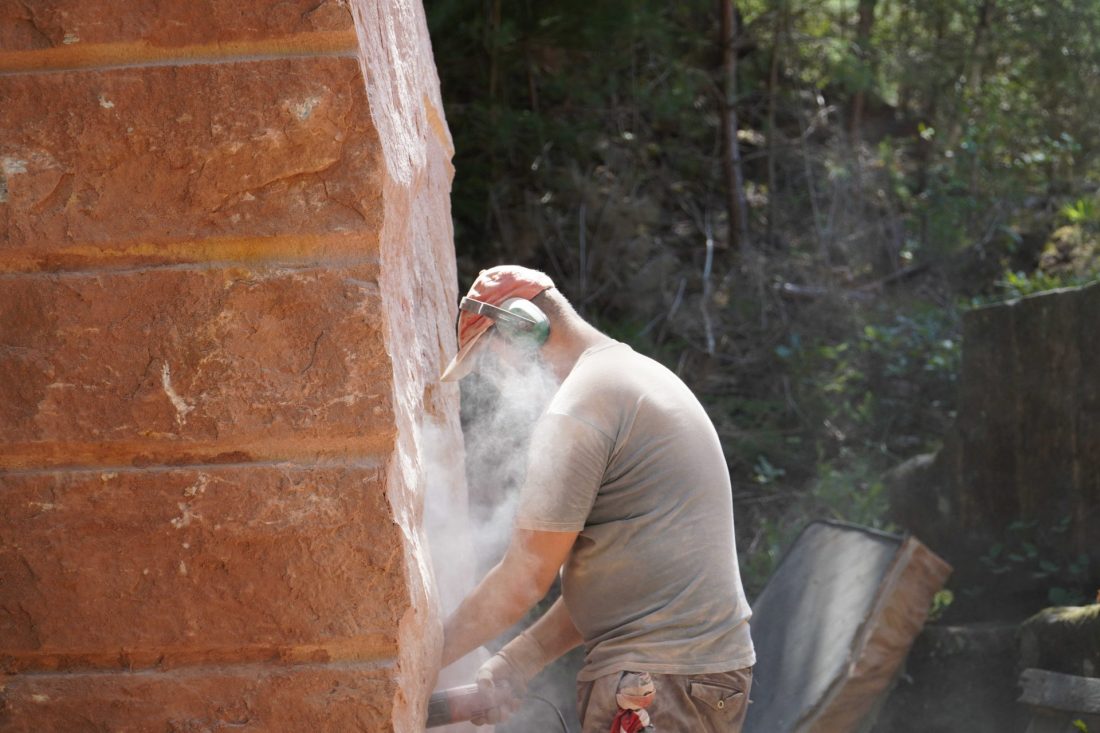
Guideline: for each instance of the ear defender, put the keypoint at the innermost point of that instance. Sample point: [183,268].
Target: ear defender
[517,319]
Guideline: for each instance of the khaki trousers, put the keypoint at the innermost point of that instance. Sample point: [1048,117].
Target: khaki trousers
[699,703]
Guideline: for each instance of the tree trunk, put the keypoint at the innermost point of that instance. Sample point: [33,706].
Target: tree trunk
[738,234]
[863,49]
[773,92]
[972,71]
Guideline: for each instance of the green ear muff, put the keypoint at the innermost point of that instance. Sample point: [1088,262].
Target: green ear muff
[536,326]
[517,319]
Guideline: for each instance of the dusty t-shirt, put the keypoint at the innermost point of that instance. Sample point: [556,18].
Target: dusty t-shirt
[626,455]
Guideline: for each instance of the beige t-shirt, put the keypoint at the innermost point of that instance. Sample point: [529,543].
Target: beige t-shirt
[626,455]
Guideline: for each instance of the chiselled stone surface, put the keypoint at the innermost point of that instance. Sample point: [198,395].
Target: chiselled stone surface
[193,365]
[274,160]
[227,287]
[417,263]
[221,564]
[332,697]
[29,26]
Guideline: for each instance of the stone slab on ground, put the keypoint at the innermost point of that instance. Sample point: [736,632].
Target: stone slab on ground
[833,625]
[1063,639]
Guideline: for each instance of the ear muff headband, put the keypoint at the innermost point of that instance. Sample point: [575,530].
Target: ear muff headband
[517,319]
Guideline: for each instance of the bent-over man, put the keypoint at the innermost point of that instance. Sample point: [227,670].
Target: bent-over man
[627,494]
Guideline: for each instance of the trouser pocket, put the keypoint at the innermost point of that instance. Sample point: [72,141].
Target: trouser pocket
[722,698]
[719,698]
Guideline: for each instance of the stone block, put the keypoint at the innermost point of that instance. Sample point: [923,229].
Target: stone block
[1048,368]
[324,697]
[1029,401]
[250,161]
[227,283]
[193,365]
[1086,397]
[71,24]
[161,568]
[987,431]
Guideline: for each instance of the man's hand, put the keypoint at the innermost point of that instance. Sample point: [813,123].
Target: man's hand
[504,678]
[495,681]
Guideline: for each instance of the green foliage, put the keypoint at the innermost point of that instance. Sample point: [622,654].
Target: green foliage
[774,537]
[1082,211]
[940,603]
[864,386]
[852,493]
[1015,285]
[1031,550]
[1020,284]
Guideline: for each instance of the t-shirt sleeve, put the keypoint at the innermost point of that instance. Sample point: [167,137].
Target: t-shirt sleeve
[566,462]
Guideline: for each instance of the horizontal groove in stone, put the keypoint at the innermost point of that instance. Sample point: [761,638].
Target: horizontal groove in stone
[332,250]
[374,462]
[376,650]
[61,457]
[251,669]
[136,54]
[254,669]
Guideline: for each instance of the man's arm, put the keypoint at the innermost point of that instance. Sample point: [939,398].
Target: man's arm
[509,590]
[555,631]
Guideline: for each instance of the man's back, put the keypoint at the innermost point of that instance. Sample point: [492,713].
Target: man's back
[627,455]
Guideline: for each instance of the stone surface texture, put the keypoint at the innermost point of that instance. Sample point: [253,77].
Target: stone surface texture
[227,288]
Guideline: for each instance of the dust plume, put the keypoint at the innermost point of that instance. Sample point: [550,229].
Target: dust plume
[501,402]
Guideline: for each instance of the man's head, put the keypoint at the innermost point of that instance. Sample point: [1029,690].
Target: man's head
[498,301]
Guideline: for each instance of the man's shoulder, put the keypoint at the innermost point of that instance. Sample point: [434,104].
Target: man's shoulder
[617,362]
[611,383]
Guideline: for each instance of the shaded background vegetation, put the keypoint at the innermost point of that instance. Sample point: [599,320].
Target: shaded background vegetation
[896,162]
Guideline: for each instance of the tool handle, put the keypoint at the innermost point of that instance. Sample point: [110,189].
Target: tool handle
[456,705]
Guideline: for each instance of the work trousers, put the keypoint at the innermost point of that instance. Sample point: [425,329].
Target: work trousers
[698,703]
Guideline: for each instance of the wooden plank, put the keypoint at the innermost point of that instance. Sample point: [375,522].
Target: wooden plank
[1056,691]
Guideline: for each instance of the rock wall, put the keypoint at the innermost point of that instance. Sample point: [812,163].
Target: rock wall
[226,289]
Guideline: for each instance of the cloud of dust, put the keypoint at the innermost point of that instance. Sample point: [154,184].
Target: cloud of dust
[501,402]
[469,532]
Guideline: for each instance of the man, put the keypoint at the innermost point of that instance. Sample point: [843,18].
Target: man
[628,495]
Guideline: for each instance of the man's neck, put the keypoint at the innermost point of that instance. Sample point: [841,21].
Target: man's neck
[566,345]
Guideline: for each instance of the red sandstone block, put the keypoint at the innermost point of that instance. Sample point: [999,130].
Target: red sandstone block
[143,568]
[68,23]
[338,697]
[192,365]
[238,161]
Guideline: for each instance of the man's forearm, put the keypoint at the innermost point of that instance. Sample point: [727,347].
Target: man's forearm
[555,631]
[517,583]
[497,603]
